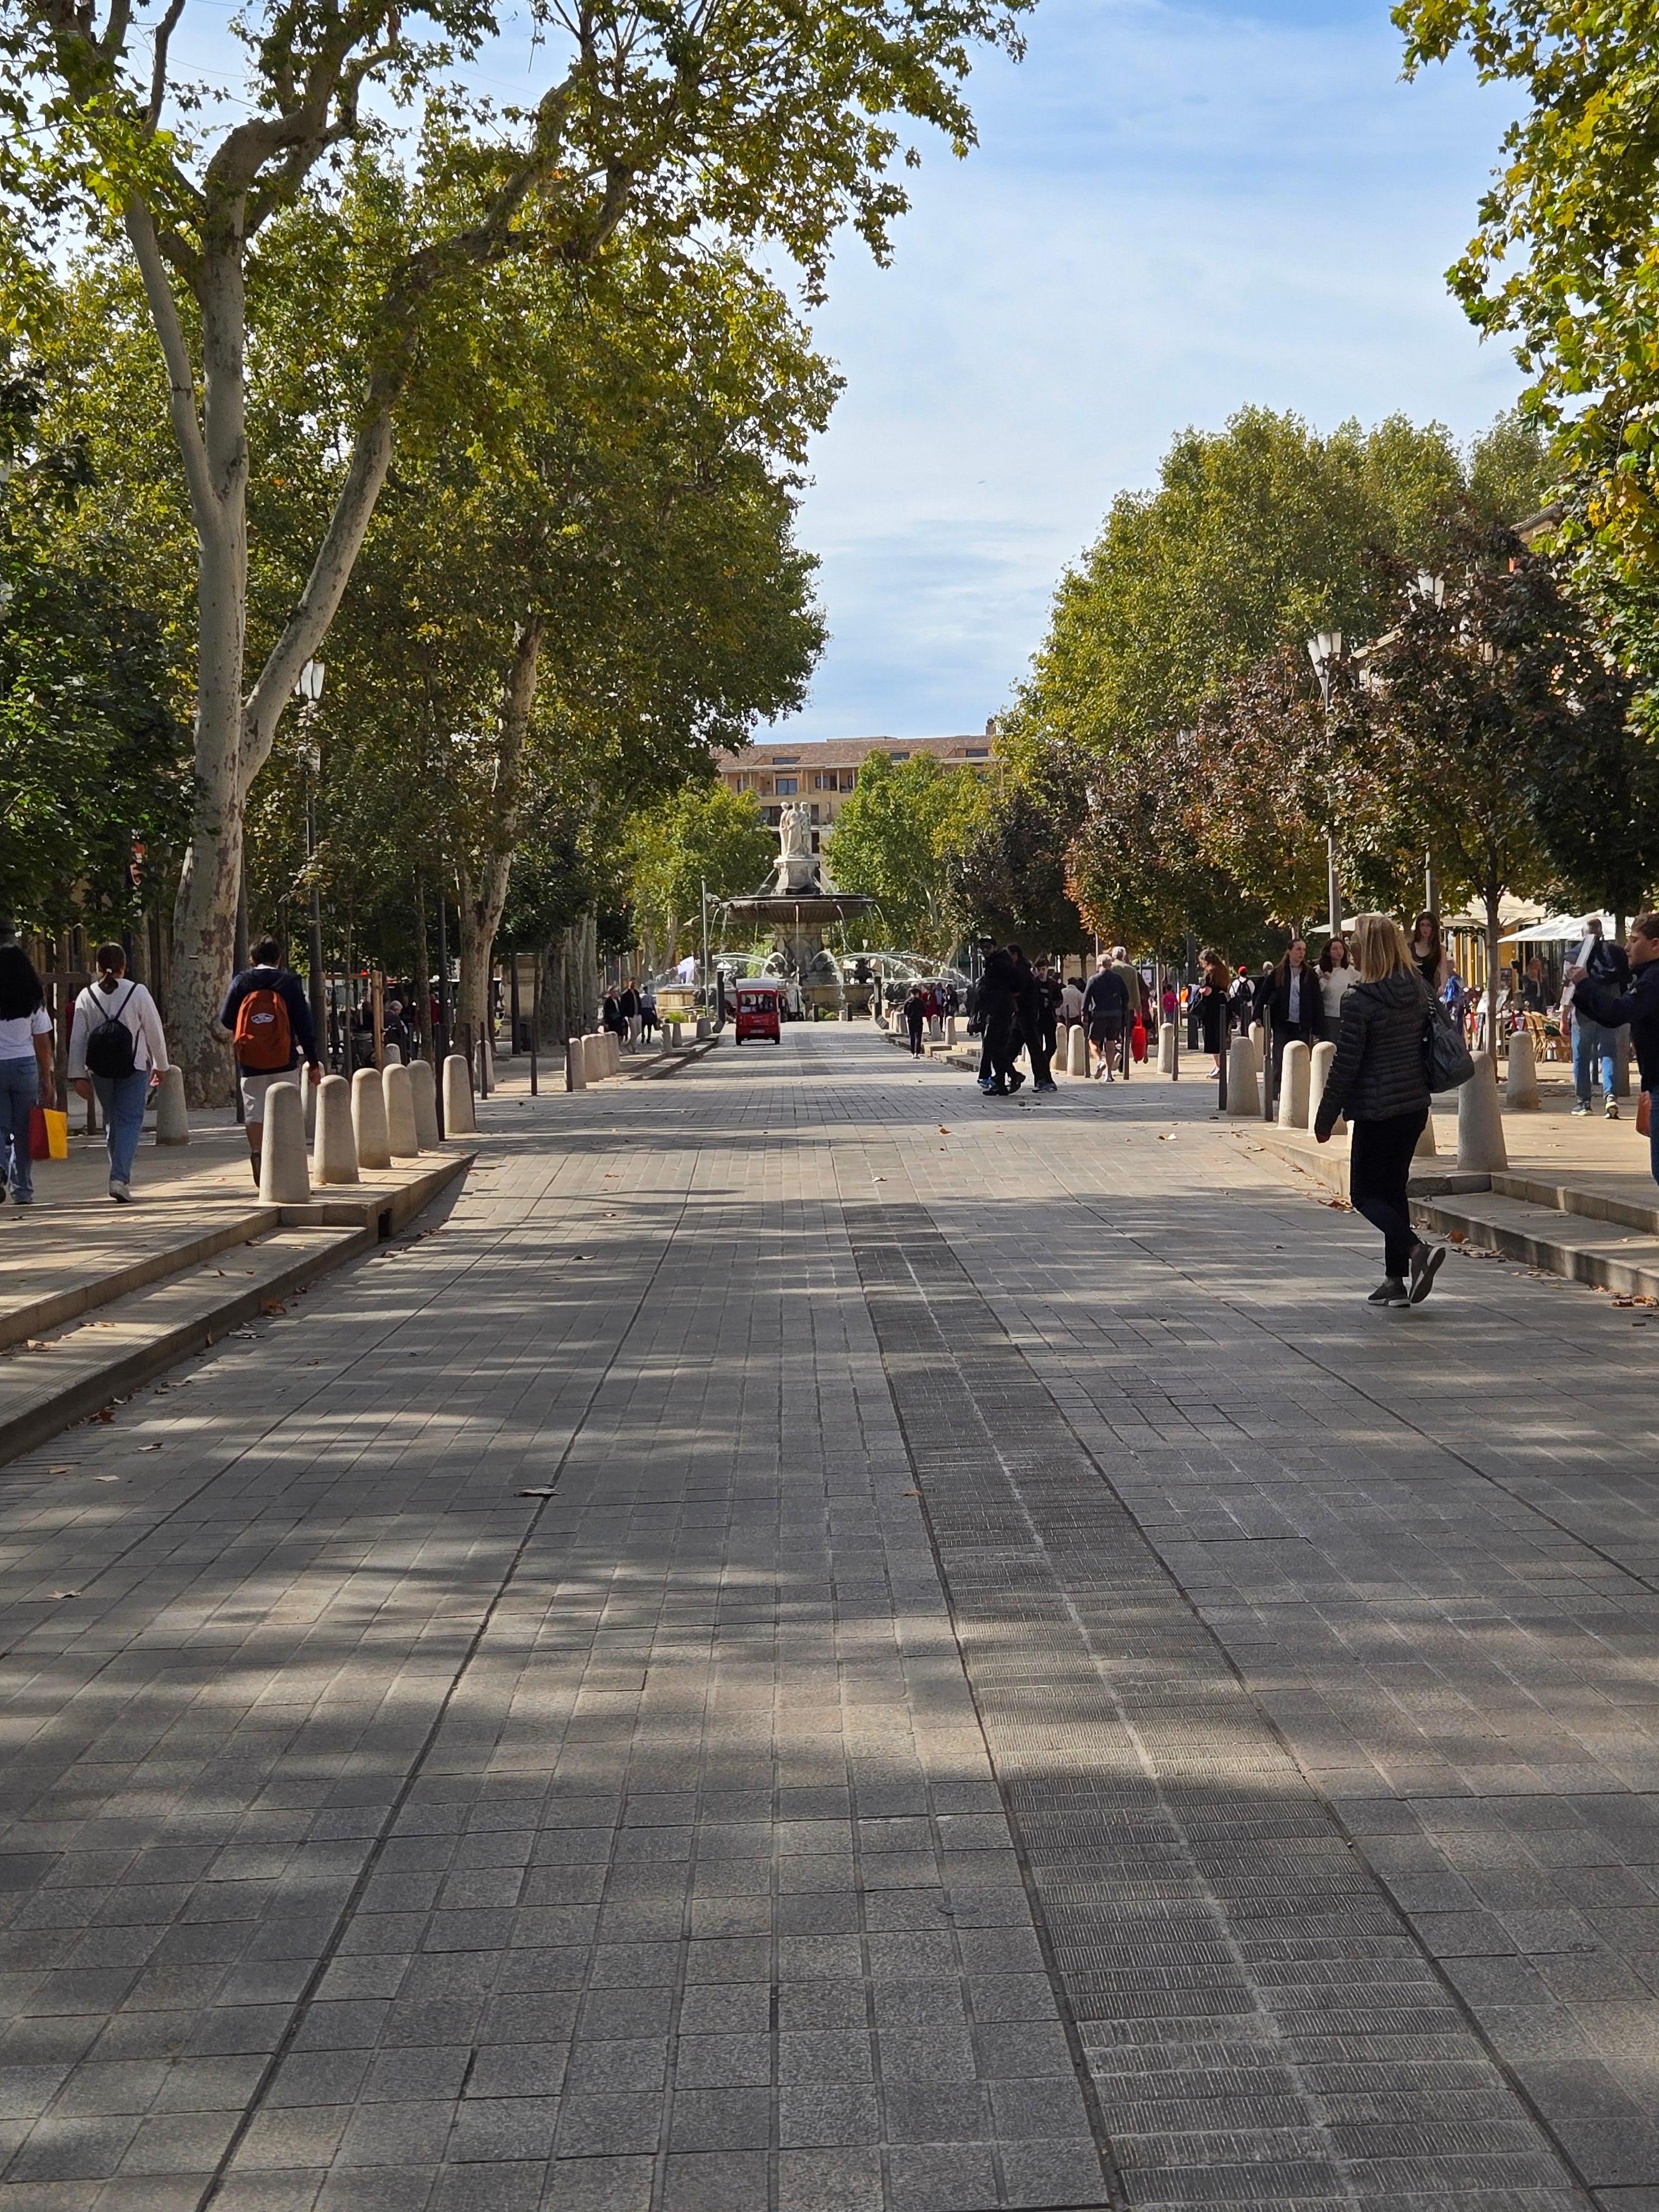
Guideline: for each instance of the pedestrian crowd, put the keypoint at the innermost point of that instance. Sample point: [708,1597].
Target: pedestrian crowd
[1018,1006]
[628,1011]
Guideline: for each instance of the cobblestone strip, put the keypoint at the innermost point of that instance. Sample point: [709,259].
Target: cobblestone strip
[1259,2025]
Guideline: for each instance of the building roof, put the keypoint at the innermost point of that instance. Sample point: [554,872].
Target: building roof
[848,752]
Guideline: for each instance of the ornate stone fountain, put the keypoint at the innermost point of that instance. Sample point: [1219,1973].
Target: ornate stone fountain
[798,905]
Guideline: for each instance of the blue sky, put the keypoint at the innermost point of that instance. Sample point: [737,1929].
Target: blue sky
[1173,210]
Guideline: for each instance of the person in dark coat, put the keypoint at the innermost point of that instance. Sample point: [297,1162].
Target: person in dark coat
[1049,994]
[1028,1010]
[1213,1004]
[1378,1079]
[1605,964]
[1105,1013]
[915,1014]
[1296,1003]
[1639,1006]
[999,1011]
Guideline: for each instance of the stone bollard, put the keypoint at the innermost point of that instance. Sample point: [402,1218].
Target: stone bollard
[613,1051]
[400,1131]
[1521,1093]
[1293,1073]
[951,1036]
[1481,1143]
[308,1093]
[1254,1041]
[575,1065]
[334,1148]
[593,1066]
[1077,1050]
[423,1089]
[1244,1081]
[172,1119]
[1166,1049]
[1319,1074]
[460,1119]
[368,1119]
[1425,1148]
[283,1177]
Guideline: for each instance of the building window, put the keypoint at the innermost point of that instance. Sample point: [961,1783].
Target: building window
[815,814]
[786,786]
[849,776]
[977,752]
[786,760]
[774,815]
[815,841]
[898,756]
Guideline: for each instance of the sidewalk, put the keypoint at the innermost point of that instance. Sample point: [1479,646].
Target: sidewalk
[96,1297]
[830,1644]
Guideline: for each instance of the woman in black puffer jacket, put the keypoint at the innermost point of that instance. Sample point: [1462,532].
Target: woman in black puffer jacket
[1378,1079]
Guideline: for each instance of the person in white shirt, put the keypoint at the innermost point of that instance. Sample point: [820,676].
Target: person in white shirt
[25,1064]
[116,1049]
[1337,977]
[1071,1001]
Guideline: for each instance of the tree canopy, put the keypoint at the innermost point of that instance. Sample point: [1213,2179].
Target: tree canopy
[893,842]
[1256,536]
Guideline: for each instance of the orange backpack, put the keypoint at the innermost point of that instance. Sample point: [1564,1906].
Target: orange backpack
[264,1042]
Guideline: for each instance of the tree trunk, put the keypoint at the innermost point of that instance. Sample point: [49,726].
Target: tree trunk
[233,739]
[569,1004]
[483,889]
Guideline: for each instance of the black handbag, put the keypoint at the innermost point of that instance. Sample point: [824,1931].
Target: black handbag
[1446,1060]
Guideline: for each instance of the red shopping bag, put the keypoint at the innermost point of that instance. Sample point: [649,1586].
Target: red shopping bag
[1138,1039]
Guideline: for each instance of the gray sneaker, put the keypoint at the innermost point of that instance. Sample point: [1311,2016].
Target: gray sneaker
[120,1191]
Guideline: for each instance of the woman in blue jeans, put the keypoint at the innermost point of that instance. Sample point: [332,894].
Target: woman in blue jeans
[116,1049]
[1639,1006]
[25,1064]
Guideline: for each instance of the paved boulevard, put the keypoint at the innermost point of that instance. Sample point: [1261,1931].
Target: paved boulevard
[828,1644]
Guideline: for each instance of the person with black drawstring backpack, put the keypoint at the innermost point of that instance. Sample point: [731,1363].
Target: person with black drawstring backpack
[119,1050]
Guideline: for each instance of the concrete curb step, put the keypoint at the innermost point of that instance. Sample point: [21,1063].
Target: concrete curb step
[186,1303]
[134,1336]
[1607,1253]
[671,1063]
[1327,1166]
[52,1308]
[1635,1212]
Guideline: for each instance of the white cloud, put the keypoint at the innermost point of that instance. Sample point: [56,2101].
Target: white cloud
[1173,213]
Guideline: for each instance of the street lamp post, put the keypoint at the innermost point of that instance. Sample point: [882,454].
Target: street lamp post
[1432,591]
[1325,651]
[309,689]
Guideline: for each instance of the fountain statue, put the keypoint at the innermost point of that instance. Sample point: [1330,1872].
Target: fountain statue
[797,903]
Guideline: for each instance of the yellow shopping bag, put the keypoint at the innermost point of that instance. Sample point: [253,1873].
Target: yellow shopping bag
[48,1134]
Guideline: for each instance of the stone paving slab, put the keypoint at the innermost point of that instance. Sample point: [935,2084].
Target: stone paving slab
[832,1645]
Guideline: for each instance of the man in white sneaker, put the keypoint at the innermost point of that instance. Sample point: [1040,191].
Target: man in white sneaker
[1601,962]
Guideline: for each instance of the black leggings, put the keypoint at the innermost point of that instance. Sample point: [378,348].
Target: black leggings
[1379,1161]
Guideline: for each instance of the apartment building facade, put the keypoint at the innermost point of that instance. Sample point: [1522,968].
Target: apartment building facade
[823,776]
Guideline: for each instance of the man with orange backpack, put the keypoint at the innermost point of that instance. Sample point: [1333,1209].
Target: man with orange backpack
[266,1015]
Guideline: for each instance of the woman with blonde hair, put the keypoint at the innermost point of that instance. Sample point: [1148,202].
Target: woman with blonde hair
[1379,1080]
